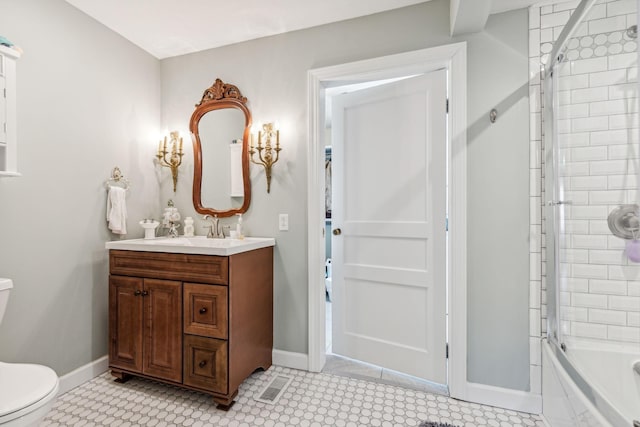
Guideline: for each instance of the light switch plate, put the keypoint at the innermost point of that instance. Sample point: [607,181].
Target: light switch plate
[283,222]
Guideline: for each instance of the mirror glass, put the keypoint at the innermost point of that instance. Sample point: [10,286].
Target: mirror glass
[221,139]
[220,130]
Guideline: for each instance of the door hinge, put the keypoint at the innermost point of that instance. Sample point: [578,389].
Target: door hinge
[447,351]
[446,224]
[447,105]
[5,92]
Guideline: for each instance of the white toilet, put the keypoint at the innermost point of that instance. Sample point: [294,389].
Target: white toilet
[27,391]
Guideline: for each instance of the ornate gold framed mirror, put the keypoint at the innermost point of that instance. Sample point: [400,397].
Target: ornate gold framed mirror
[220,127]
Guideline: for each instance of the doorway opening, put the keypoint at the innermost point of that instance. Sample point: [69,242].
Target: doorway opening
[343,362]
[452,59]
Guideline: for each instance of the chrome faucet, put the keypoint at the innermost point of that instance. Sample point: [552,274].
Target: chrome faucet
[215,229]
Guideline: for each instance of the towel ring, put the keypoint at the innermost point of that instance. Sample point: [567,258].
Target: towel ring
[117,179]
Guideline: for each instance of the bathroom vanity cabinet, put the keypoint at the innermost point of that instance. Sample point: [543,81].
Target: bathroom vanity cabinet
[8,135]
[204,322]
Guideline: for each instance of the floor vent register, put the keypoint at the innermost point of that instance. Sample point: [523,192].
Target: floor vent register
[274,389]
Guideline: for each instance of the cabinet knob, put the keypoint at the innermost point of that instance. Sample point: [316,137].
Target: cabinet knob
[203,310]
[145,293]
[202,364]
[137,292]
[337,232]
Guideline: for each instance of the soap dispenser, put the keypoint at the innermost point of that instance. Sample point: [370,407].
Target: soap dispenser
[239,234]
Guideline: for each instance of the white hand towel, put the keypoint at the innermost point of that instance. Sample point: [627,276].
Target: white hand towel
[237,184]
[117,210]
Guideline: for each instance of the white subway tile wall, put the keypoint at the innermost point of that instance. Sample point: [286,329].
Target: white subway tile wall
[598,150]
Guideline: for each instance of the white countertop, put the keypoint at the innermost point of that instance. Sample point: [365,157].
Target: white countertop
[193,245]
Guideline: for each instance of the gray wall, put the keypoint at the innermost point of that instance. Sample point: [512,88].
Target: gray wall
[88,100]
[272,73]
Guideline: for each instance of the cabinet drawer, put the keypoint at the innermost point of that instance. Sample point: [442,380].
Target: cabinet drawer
[205,363]
[206,310]
[161,265]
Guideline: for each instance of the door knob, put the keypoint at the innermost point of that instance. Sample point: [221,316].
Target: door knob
[145,293]
[337,232]
[137,292]
[203,310]
[202,364]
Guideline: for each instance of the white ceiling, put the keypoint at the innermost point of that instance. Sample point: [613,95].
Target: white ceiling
[500,6]
[166,28]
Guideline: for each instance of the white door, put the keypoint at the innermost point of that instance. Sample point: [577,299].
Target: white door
[389,208]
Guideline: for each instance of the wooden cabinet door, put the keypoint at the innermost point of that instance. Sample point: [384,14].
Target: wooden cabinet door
[163,329]
[125,322]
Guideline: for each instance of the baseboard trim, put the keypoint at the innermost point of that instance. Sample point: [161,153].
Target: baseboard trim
[83,374]
[522,401]
[289,359]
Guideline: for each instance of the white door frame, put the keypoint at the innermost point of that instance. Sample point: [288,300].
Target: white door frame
[453,57]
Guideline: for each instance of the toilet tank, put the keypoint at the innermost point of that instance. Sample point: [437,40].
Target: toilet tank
[5,288]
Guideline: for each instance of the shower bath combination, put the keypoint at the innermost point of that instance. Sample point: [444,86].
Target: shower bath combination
[592,216]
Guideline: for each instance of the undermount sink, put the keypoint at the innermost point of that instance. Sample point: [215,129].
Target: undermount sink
[193,245]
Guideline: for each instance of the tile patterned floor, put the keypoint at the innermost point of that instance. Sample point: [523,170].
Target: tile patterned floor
[311,400]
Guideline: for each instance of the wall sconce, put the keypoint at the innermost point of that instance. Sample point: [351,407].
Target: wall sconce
[175,159]
[266,159]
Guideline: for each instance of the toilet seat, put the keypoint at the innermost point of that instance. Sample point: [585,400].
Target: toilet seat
[24,388]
